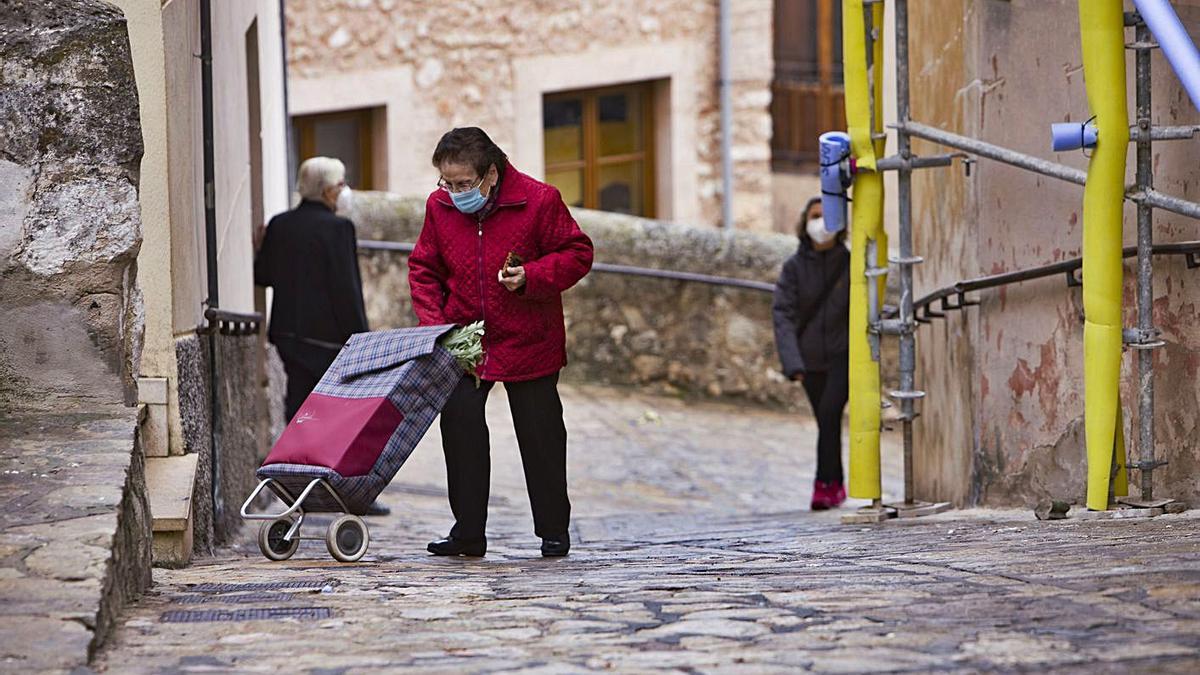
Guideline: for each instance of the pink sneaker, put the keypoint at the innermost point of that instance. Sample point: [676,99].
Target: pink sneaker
[839,493]
[827,495]
[822,497]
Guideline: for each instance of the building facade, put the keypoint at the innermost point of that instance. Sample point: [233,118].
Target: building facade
[189,441]
[1003,420]
[616,103]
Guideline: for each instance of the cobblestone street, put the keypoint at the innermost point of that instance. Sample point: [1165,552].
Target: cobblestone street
[694,552]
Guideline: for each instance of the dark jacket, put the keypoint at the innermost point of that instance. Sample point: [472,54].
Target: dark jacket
[453,274]
[309,256]
[810,331]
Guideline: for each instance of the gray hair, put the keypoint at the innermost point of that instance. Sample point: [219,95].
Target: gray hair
[318,173]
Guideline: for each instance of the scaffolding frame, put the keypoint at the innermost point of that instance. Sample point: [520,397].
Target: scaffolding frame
[1143,339]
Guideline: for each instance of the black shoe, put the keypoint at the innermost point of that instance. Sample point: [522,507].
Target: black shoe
[378,508]
[452,546]
[556,546]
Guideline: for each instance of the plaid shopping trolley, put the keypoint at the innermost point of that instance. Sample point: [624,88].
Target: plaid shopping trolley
[351,436]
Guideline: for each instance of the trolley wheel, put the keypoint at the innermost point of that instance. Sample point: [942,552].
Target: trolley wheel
[271,539]
[347,538]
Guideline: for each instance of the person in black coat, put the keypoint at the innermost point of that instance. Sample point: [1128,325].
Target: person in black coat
[309,257]
[811,314]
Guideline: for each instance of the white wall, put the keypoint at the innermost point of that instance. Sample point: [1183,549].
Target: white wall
[172,273]
[235,251]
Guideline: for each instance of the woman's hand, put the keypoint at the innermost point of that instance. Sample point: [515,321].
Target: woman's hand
[512,278]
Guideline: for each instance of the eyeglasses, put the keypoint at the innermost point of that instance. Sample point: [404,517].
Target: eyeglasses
[461,186]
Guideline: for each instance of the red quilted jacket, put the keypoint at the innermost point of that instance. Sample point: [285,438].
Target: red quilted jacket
[453,274]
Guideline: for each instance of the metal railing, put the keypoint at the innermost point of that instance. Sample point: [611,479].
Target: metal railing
[954,296]
[225,322]
[609,268]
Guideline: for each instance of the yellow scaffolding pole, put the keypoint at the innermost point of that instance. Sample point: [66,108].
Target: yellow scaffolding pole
[1101,24]
[864,116]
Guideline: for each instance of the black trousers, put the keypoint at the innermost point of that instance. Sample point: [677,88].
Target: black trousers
[542,437]
[305,365]
[300,383]
[828,392]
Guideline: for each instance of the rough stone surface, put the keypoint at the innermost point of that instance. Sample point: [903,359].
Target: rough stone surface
[242,434]
[74,532]
[74,518]
[676,337]
[70,228]
[464,73]
[692,554]
[1002,422]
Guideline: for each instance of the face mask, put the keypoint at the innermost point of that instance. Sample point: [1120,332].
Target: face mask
[470,201]
[345,201]
[817,232]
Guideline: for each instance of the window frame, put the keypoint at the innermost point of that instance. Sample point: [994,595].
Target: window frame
[591,162]
[305,129]
[798,100]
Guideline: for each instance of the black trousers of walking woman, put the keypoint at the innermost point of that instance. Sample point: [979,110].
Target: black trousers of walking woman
[827,392]
[542,437]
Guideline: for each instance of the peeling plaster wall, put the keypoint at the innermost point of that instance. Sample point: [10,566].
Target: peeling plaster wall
[942,68]
[460,63]
[1013,367]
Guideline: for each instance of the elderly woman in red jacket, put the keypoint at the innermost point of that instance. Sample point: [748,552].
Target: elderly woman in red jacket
[500,247]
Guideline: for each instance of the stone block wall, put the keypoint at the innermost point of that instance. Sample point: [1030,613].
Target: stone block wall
[459,61]
[241,436]
[70,332]
[671,336]
[70,144]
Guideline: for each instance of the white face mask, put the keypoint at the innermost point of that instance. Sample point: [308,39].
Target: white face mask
[345,201]
[817,232]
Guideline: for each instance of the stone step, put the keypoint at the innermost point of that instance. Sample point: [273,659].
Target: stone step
[170,482]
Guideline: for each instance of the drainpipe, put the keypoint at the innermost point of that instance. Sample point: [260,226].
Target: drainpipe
[726,84]
[1176,45]
[210,203]
[287,115]
[861,50]
[210,240]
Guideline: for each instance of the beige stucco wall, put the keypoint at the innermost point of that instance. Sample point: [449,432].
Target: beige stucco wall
[1003,420]
[235,250]
[439,65]
[164,39]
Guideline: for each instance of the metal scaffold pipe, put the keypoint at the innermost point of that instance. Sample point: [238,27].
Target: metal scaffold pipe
[1042,166]
[904,200]
[1145,268]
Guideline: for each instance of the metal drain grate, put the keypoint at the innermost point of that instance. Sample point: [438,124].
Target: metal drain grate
[236,599]
[251,614]
[310,584]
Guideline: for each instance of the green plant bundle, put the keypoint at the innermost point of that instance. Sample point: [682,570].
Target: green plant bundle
[465,344]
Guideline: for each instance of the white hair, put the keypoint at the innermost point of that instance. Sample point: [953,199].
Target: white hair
[318,173]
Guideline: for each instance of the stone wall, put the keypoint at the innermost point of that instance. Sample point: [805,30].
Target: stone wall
[673,337]
[242,438]
[461,63]
[1003,420]
[70,315]
[75,515]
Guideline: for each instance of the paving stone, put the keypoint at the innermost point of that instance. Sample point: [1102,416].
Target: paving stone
[690,559]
